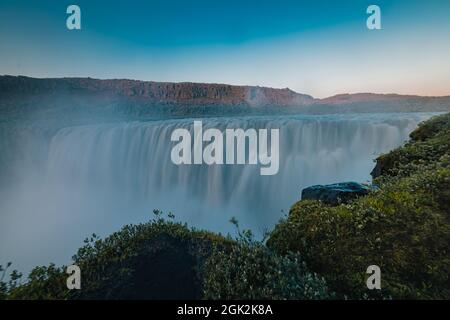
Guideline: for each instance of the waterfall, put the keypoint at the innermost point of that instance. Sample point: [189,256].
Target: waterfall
[97,178]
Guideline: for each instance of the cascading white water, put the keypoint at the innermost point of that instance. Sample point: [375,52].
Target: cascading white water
[100,177]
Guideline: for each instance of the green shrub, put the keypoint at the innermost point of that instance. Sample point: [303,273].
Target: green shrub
[404,227]
[44,283]
[252,271]
[167,260]
[156,260]
[429,144]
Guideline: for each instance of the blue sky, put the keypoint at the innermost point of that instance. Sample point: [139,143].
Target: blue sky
[315,47]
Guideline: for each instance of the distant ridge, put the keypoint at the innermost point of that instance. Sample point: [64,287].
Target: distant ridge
[365,97]
[160,92]
[18,92]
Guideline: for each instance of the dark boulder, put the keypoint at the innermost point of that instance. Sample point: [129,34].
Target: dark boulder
[336,193]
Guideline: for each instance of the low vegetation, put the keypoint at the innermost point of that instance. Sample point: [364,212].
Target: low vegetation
[160,259]
[252,271]
[403,227]
[167,260]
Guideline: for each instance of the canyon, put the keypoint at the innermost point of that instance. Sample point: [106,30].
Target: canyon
[92,155]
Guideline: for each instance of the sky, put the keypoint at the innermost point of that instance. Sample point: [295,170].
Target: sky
[315,47]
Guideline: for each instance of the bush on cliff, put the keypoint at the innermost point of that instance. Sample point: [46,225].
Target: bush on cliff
[156,260]
[167,260]
[404,227]
[252,271]
[429,146]
[43,283]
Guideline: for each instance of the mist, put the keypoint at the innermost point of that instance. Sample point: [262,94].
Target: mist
[61,184]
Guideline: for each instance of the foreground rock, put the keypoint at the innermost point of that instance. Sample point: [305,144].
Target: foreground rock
[336,193]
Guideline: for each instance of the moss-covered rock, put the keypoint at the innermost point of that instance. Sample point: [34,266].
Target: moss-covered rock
[429,144]
[404,227]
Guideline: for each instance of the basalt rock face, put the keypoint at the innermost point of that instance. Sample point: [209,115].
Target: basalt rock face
[157,92]
[335,194]
[21,95]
